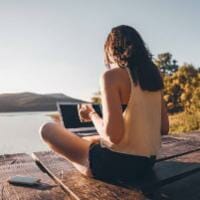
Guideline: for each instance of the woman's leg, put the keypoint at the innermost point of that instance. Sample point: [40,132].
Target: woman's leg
[66,143]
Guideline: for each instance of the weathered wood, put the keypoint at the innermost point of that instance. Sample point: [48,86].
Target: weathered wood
[188,187]
[83,187]
[23,164]
[164,172]
[177,145]
[174,169]
[80,187]
[178,166]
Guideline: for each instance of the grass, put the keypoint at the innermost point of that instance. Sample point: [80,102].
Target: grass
[184,122]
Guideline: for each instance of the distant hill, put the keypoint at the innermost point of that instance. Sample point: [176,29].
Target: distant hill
[13,102]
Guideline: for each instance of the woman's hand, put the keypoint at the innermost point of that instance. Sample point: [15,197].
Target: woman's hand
[84,110]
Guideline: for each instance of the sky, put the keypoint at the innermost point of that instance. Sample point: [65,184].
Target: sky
[56,46]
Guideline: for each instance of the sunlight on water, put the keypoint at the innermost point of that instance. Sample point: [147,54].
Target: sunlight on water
[19,132]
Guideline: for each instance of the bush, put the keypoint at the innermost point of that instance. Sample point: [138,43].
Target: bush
[184,122]
[182,90]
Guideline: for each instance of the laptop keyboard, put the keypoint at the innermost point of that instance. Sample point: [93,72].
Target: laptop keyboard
[84,131]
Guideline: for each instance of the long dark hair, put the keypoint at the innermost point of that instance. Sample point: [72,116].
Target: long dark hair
[128,49]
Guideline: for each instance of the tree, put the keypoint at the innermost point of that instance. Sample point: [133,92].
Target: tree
[181,92]
[166,64]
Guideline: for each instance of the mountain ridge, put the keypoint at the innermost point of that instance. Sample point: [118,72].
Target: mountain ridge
[29,101]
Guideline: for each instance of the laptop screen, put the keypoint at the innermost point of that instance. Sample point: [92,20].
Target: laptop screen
[70,115]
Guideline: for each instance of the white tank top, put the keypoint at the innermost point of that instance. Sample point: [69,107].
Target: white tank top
[142,122]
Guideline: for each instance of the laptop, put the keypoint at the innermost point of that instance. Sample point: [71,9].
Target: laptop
[71,121]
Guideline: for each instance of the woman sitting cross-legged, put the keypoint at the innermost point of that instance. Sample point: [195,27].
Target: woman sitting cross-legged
[128,140]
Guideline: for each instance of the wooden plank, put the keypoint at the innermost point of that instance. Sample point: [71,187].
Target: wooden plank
[172,146]
[171,177]
[176,168]
[83,187]
[184,189]
[188,187]
[165,173]
[23,164]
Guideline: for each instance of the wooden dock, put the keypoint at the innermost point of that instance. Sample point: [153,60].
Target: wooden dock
[176,176]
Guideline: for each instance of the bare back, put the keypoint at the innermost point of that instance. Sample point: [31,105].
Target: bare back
[124,85]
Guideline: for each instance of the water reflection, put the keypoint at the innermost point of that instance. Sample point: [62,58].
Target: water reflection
[19,131]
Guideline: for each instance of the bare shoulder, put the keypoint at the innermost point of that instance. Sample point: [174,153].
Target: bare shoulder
[111,76]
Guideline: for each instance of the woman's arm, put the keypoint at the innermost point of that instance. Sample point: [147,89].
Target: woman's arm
[111,127]
[97,121]
[164,119]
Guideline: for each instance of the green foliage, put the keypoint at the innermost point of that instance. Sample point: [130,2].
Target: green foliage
[166,64]
[184,122]
[182,90]
[182,93]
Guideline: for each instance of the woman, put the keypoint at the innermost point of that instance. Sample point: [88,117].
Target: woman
[128,140]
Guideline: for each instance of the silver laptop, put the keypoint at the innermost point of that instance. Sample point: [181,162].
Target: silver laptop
[71,121]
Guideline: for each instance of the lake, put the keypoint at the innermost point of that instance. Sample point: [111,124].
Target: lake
[19,132]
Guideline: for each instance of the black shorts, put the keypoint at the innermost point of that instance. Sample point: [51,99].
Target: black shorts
[106,164]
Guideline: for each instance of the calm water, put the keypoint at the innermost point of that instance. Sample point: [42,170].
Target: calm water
[19,132]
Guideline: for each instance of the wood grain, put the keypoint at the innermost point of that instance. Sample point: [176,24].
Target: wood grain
[83,187]
[23,164]
[164,172]
[78,187]
[188,187]
[177,145]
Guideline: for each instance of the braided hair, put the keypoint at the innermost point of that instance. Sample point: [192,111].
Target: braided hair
[125,45]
